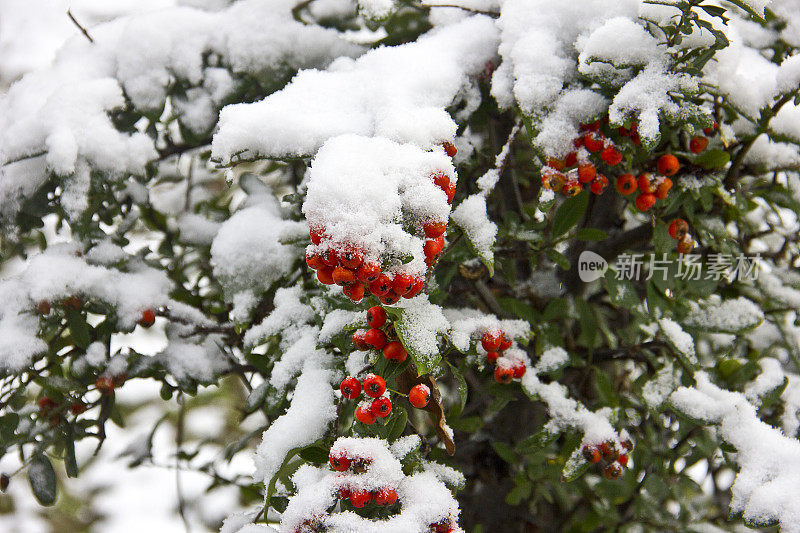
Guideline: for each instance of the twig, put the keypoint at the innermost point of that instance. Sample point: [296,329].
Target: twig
[80,27]
[179,445]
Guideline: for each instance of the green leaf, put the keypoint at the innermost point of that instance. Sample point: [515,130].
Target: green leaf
[714,158]
[314,454]
[591,234]
[621,292]
[569,213]
[559,259]
[70,462]
[505,452]
[537,441]
[78,327]
[42,478]
[462,384]
[256,397]
[397,424]
[519,493]
[425,362]
[575,466]
[752,12]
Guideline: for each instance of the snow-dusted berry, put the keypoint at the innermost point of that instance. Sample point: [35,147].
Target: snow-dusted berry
[351,258]
[503,374]
[381,407]
[519,370]
[435,229]
[359,498]
[419,395]
[491,357]
[586,173]
[685,244]
[380,286]
[599,184]
[663,188]
[449,149]
[105,384]
[339,462]
[491,340]
[611,156]
[591,453]
[374,385]
[402,283]
[343,276]
[364,415]
[593,141]
[572,187]
[678,228]
[351,388]
[359,340]
[368,272]
[386,496]
[613,471]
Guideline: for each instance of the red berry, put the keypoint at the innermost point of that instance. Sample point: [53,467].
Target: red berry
[449,149]
[375,338]
[432,247]
[556,164]
[402,283]
[46,404]
[678,228]
[325,275]
[390,298]
[503,374]
[73,302]
[419,284]
[419,396]
[340,463]
[593,141]
[105,384]
[374,386]
[365,416]
[344,493]
[359,340]
[343,276]
[505,344]
[441,180]
[711,130]
[599,184]
[591,453]
[376,316]
[368,272]
[611,156]
[577,142]
[381,407]
[435,229]
[663,188]
[330,257]
[668,165]
[519,370]
[571,159]
[647,183]
[645,201]
[609,450]
[572,187]
[316,235]
[386,496]
[623,460]
[351,388]
[148,318]
[613,471]
[351,258]
[77,408]
[626,184]
[355,292]
[586,173]
[698,144]
[394,351]
[380,286]
[492,357]
[491,341]
[359,498]
[450,192]
[314,261]
[686,244]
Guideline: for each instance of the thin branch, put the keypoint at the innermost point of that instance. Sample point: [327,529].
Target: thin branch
[80,27]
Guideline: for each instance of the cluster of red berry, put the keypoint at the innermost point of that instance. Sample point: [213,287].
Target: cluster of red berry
[679,230]
[75,303]
[345,265]
[380,406]
[613,454]
[51,410]
[442,526]
[380,336]
[359,497]
[496,342]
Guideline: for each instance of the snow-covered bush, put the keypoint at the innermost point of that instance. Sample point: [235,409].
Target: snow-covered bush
[486,266]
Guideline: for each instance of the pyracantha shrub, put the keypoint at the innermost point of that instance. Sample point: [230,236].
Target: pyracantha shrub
[508,265]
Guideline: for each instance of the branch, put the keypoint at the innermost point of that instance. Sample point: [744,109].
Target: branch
[80,27]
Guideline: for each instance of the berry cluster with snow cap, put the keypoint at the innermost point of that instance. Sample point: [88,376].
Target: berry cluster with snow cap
[611,453]
[377,212]
[366,473]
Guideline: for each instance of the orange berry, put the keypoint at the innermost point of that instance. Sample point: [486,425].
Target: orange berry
[613,471]
[380,286]
[599,184]
[104,384]
[698,144]
[402,283]
[355,292]
[611,156]
[593,141]
[668,165]
[351,258]
[572,187]
[325,275]
[316,234]
[591,453]
[449,149]
[491,357]
[626,184]
[343,276]
[503,375]
[148,318]
[663,188]
[586,173]
[435,229]
[368,272]
[313,260]
[686,244]
[552,179]
[646,183]
[441,180]
[571,159]
[451,193]
[645,201]
[419,396]
[557,164]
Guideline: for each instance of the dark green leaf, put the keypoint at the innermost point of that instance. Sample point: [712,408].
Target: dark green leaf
[42,478]
[569,213]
